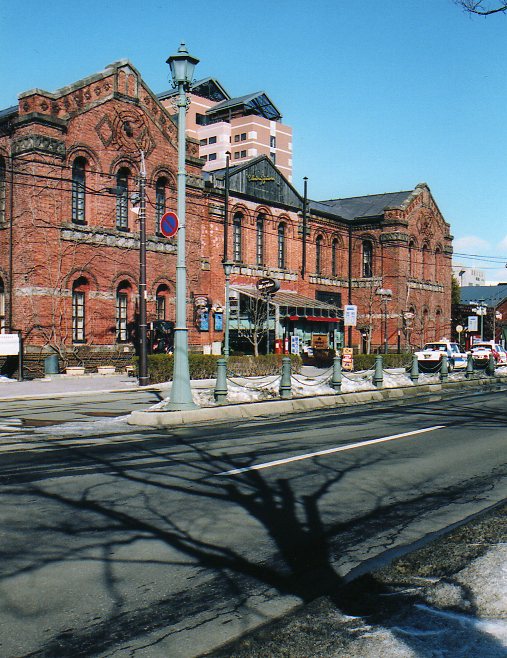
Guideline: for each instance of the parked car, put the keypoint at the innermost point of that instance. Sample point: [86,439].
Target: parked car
[430,356]
[482,351]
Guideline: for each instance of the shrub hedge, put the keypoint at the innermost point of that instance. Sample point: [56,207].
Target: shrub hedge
[367,361]
[204,366]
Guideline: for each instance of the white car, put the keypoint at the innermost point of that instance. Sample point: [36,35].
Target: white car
[482,351]
[430,356]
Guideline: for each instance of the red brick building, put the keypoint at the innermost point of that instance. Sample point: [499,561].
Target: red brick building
[69,240]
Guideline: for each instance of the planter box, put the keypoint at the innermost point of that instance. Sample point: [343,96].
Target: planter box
[74,371]
[106,370]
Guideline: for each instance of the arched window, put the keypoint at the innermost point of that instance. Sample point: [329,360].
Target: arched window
[3,185]
[425,261]
[259,239]
[281,246]
[318,254]
[367,259]
[2,307]
[78,190]
[122,194]
[438,325]
[334,257]
[78,310]
[411,258]
[161,302]
[425,325]
[236,237]
[160,201]
[438,257]
[122,302]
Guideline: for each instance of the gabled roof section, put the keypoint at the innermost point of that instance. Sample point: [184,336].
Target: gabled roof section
[490,295]
[363,207]
[206,88]
[258,179]
[257,103]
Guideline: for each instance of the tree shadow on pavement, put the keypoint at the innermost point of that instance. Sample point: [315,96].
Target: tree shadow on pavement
[166,511]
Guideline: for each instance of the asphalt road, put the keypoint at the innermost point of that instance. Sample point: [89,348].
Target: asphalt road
[120,542]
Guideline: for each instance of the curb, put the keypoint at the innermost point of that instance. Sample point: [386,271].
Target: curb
[157,418]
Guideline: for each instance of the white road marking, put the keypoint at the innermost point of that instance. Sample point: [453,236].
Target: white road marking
[329,451]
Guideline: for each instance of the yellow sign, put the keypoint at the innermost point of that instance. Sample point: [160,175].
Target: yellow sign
[347,358]
[320,341]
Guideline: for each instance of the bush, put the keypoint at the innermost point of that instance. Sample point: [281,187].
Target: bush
[367,361]
[204,366]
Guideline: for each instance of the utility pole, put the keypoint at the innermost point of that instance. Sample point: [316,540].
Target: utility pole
[143,345]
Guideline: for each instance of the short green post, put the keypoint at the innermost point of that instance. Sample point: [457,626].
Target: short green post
[221,385]
[414,371]
[336,381]
[444,369]
[378,377]
[470,367]
[285,381]
[490,369]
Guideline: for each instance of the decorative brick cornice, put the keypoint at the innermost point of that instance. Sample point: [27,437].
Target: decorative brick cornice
[425,285]
[102,237]
[395,236]
[39,144]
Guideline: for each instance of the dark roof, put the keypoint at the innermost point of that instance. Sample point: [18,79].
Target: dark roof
[257,103]
[358,207]
[207,88]
[491,295]
[9,111]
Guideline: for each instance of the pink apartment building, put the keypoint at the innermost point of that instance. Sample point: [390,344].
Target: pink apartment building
[246,126]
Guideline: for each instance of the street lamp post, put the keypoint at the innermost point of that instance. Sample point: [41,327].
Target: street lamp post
[385,295]
[227,264]
[143,346]
[182,70]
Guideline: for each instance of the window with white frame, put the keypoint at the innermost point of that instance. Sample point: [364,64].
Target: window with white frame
[236,237]
[259,243]
[281,245]
[318,254]
[160,201]
[122,193]
[367,259]
[121,316]
[78,190]
[78,316]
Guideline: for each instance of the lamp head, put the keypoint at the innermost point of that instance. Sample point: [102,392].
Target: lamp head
[182,67]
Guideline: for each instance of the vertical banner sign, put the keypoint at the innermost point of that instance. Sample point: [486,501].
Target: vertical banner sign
[350,315]
[294,345]
[473,323]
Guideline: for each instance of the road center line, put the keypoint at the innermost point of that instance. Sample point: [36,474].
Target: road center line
[329,451]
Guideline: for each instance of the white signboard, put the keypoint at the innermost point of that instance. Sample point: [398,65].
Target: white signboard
[350,315]
[473,323]
[9,344]
[294,344]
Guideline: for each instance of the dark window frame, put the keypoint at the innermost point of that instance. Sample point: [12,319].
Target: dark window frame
[79,191]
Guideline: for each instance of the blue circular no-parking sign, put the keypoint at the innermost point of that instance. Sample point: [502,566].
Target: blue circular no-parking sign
[169,224]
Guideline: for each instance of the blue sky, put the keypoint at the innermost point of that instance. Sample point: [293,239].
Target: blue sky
[381,94]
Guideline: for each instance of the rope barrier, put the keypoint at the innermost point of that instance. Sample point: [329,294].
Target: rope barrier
[252,388]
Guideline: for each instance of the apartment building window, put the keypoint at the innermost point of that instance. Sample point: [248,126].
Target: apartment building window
[212,156]
[78,190]
[236,155]
[122,193]
[236,138]
[236,237]
[367,259]
[243,154]
[318,254]
[281,246]
[204,157]
[212,140]
[272,141]
[78,316]
[243,137]
[201,119]
[121,316]
[203,142]
[160,201]
[260,239]
[273,157]
[334,258]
